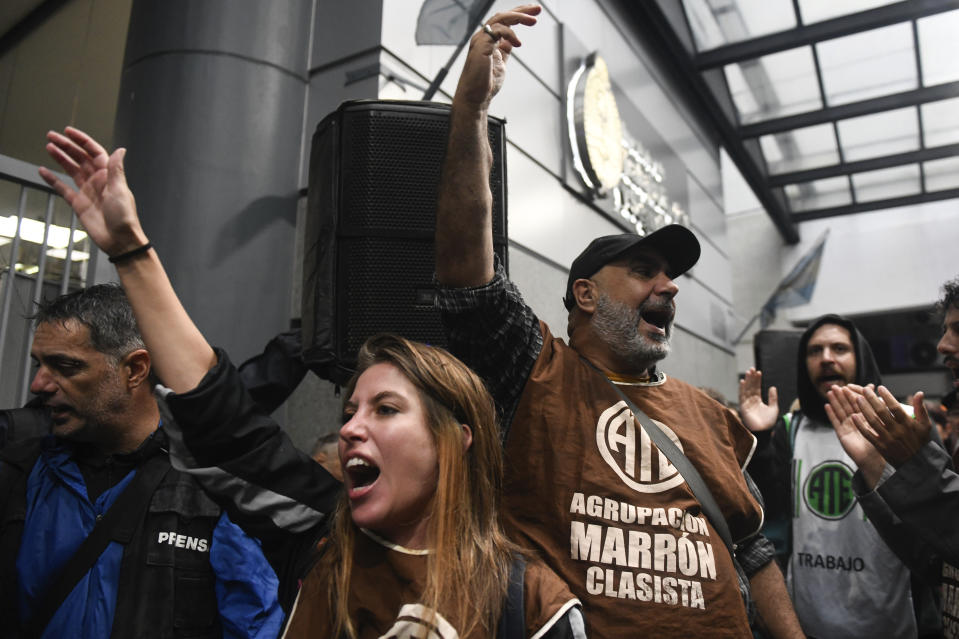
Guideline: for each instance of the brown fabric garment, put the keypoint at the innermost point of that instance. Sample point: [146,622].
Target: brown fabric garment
[386,586]
[564,499]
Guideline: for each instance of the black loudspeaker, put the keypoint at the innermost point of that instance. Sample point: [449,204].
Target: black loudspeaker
[776,356]
[371,213]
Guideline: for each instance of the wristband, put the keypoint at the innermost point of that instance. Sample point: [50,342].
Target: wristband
[123,257]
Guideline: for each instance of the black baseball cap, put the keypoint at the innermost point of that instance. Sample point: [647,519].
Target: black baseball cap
[674,242]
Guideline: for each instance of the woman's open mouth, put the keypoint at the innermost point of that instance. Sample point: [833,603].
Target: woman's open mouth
[361,474]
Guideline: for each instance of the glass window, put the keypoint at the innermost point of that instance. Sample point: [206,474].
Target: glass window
[868,64]
[877,134]
[940,122]
[819,194]
[941,174]
[32,244]
[800,149]
[939,47]
[718,22]
[775,85]
[819,10]
[897,181]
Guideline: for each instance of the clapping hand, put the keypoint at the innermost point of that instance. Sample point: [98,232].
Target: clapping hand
[841,409]
[874,428]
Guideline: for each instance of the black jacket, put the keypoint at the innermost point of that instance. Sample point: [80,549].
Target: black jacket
[163,591]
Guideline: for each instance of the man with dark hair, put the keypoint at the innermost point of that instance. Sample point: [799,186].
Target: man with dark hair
[898,461]
[585,486]
[844,579]
[948,305]
[903,468]
[172,563]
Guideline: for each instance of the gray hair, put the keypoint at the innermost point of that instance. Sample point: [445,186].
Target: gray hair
[105,310]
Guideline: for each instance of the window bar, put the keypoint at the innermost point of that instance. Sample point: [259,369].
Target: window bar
[11,273]
[37,295]
[68,260]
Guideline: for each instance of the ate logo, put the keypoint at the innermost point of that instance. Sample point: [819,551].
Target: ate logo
[626,447]
[828,490]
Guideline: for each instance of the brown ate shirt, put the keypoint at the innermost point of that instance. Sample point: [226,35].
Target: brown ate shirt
[607,512]
[385,589]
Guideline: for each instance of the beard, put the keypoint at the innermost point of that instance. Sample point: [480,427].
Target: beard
[617,325]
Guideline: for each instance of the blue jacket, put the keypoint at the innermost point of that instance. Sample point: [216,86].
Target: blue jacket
[189,570]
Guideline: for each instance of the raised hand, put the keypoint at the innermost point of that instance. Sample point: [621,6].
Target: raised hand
[102,200]
[756,414]
[841,409]
[485,66]
[883,421]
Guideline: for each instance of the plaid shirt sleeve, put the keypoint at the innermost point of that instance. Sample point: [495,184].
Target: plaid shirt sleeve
[495,333]
[754,552]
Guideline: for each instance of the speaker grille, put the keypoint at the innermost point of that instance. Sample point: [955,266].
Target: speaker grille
[383,298]
[374,171]
[391,175]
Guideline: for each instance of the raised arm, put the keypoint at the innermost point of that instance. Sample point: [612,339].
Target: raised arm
[464,232]
[106,209]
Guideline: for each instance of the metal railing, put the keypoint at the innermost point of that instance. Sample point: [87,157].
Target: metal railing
[42,254]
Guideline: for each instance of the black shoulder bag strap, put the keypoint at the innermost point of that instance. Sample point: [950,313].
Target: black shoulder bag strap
[681,463]
[118,524]
[512,623]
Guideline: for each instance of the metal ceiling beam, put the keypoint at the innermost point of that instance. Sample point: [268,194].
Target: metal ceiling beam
[848,168]
[28,24]
[656,31]
[825,30]
[888,203]
[913,97]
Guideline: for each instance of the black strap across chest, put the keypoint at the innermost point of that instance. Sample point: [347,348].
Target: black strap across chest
[512,623]
[119,524]
[682,464]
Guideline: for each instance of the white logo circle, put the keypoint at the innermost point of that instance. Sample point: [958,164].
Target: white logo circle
[626,447]
[416,621]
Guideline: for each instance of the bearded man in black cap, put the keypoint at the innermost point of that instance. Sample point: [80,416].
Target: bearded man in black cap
[585,486]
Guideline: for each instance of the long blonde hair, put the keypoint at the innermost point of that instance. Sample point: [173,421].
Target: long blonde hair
[468,567]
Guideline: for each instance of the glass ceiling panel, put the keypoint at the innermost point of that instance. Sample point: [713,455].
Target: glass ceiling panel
[818,194]
[800,149]
[868,64]
[877,134]
[942,174]
[939,48]
[775,85]
[886,183]
[819,10]
[940,122]
[718,22]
